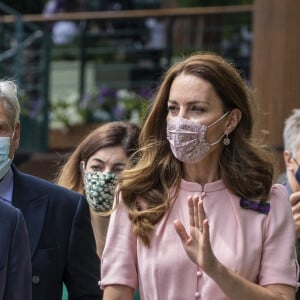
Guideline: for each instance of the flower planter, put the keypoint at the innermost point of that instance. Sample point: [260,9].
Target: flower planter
[70,138]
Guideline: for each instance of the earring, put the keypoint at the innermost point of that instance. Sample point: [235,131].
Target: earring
[226,140]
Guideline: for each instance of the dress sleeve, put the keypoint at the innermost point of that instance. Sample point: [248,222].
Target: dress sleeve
[279,263]
[119,258]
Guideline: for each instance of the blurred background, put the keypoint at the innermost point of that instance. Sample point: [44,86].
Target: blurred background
[80,63]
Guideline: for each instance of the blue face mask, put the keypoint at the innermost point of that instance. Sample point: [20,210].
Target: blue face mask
[297,174]
[5,161]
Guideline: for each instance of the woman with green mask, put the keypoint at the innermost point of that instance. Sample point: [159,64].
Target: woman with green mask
[92,169]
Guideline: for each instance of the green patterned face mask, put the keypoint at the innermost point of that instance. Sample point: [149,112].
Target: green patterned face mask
[99,189]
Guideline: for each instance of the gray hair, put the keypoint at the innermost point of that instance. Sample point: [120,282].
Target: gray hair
[291,131]
[9,97]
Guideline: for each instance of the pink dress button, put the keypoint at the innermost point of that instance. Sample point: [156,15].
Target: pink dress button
[197,295]
[199,273]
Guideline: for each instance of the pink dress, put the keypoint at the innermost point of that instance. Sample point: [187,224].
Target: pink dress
[259,247]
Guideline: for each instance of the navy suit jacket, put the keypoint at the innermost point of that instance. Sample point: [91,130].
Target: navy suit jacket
[283,180]
[61,239]
[15,265]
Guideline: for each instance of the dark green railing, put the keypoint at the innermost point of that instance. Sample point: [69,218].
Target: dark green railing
[24,58]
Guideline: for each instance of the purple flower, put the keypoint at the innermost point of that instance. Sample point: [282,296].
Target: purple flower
[145,92]
[118,112]
[34,107]
[105,94]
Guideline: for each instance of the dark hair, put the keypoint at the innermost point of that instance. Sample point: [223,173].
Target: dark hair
[118,133]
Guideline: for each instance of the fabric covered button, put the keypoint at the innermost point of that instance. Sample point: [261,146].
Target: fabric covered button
[35,279]
[199,273]
[197,295]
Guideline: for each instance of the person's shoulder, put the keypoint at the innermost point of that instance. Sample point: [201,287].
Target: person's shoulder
[278,190]
[43,186]
[8,211]
[279,199]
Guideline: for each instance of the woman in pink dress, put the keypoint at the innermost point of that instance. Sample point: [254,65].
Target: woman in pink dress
[197,214]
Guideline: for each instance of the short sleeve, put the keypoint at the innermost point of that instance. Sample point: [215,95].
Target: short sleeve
[279,263]
[119,262]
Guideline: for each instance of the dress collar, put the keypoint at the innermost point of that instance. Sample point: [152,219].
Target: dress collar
[197,187]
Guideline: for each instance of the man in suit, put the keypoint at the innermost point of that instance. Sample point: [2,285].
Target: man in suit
[15,265]
[61,239]
[291,179]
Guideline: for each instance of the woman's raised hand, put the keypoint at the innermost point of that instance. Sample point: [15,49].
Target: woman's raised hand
[197,243]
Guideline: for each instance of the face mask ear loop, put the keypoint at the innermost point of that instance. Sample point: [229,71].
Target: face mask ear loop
[292,157]
[217,141]
[13,134]
[82,167]
[221,118]
[295,160]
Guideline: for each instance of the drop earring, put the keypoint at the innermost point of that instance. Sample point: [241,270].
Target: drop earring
[226,140]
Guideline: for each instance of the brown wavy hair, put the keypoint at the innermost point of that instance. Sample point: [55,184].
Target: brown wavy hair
[244,166]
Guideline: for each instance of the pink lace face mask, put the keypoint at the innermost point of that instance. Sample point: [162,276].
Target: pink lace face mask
[187,139]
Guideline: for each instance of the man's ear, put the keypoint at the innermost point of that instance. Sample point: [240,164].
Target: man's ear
[16,138]
[233,120]
[288,159]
